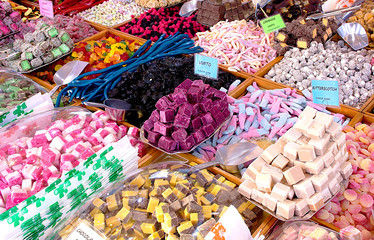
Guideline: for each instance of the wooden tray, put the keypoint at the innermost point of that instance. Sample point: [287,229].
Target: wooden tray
[369,107]
[264,70]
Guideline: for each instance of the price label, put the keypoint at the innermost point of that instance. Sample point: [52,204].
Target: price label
[206,66]
[272,23]
[84,232]
[46,8]
[325,92]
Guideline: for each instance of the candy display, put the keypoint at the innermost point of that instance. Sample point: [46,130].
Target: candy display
[211,12]
[10,20]
[291,10]
[14,89]
[27,13]
[157,3]
[100,54]
[302,171]
[75,26]
[153,23]
[42,46]
[353,206]
[72,7]
[303,230]
[184,118]
[365,17]
[239,45]
[164,203]
[300,33]
[332,61]
[158,78]
[33,162]
[258,114]
[105,14]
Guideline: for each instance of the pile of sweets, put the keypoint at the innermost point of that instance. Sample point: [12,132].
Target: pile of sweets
[27,13]
[300,33]
[302,170]
[331,61]
[260,113]
[150,82]
[14,91]
[331,5]
[167,204]
[239,45]
[44,45]
[30,164]
[365,17]
[10,20]
[353,206]
[157,3]
[112,12]
[186,117]
[213,11]
[290,9]
[153,23]
[75,26]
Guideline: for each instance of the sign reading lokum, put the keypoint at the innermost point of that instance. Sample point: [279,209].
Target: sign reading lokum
[206,66]
[325,92]
[272,24]
[46,8]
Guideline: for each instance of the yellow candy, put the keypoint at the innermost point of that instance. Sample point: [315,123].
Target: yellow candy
[148,228]
[99,221]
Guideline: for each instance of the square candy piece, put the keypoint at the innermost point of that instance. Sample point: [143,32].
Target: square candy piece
[308,112]
[324,118]
[286,209]
[153,137]
[270,153]
[208,130]
[304,189]
[303,124]
[280,161]
[264,182]
[64,48]
[290,150]
[316,130]
[194,94]
[25,65]
[163,129]
[316,166]
[179,135]
[199,136]
[294,175]
[181,121]
[167,116]
[306,153]
[56,52]
[188,143]
[301,207]
[315,202]
[52,32]
[280,191]
[167,143]
[292,135]
[334,129]
[186,109]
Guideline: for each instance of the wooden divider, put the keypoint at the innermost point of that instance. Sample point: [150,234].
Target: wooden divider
[369,107]
[264,70]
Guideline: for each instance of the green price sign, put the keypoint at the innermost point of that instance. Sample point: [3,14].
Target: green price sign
[272,23]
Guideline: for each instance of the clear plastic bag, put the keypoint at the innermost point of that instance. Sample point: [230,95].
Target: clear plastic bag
[15,89]
[162,200]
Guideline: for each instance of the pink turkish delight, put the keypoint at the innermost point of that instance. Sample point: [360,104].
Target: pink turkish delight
[186,109]
[163,129]
[186,84]
[179,135]
[182,121]
[148,125]
[188,143]
[207,119]
[167,143]
[179,97]
[208,130]
[153,137]
[166,116]
[194,94]
[196,123]
[199,135]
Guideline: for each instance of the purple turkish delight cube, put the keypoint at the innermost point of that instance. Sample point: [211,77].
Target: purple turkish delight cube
[199,135]
[167,116]
[179,135]
[215,110]
[200,84]
[206,104]
[7,21]
[182,121]
[196,123]
[209,93]
[162,128]
[226,113]
[148,125]
[207,118]
[219,95]
[186,84]
[167,143]
[219,118]
[180,90]
[179,98]
[194,94]
[153,137]
[208,129]
[188,143]
[163,103]
[15,16]
[185,109]
[155,116]
[197,109]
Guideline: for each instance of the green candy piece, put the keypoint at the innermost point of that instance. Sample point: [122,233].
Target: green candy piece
[31,87]
[53,32]
[65,37]
[14,88]
[13,95]
[25,65]
[64,48]
[29,55]
[56,52]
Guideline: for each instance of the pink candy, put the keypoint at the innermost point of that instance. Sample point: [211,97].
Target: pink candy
[357,199]
[30,164]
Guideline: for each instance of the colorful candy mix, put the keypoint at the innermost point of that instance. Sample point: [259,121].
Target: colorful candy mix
[260,113]
[152,24]
[239,45]
[354,204]
[112,12]
[32,163]
[75,26]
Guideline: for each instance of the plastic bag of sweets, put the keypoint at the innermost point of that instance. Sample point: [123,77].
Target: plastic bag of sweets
[163,201]
[40,148]
[15,89]
[37,217]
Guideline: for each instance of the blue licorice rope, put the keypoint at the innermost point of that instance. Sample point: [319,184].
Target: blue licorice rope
[99,87]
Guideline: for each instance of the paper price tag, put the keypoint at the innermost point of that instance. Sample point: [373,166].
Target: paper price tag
[84,232]
[206,66]
[46,8]
[272,23]
[325,92]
